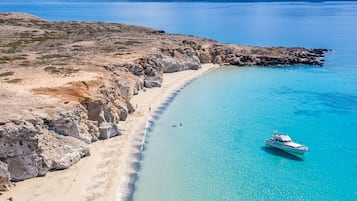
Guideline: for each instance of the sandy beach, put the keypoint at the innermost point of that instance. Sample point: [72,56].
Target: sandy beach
[110,171]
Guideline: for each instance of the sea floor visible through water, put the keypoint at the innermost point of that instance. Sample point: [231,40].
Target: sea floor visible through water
[209,143]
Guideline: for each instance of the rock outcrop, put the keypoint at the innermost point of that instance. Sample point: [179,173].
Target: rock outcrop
[67,84]
[30,149]
[5,183]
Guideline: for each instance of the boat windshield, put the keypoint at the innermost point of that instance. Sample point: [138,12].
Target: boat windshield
[280,140]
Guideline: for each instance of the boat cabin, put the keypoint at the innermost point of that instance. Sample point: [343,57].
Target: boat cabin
[281,138]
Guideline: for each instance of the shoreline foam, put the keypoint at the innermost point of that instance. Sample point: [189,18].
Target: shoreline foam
[110,172]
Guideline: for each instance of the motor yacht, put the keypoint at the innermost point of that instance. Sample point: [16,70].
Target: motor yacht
[284,142]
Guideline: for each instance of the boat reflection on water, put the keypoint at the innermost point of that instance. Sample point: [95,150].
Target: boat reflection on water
[278,152]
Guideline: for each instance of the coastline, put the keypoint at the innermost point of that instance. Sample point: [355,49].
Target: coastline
[110,172]
[118,61]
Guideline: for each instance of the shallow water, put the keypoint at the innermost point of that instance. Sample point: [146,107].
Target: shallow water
[218,152]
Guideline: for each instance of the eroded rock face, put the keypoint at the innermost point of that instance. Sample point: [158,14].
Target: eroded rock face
[193,54]
[5,183]
[18,147]
[126,79]
[71,122]
[106,115]
[30,149]
[56,138]
[153,78]
[171,64]
[63,152]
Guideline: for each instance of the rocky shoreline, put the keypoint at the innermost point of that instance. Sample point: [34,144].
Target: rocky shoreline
[65,85]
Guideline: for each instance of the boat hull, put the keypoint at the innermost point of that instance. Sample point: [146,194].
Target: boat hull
[285,148]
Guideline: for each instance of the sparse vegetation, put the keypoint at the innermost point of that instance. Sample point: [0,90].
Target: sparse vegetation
[25,63]
[44,38]
[128,42]
[18,58]
[4,59]
[27,39]
[77,47]
[14,81]
[108,49]
[60,70]
[9,73]
[78,40]
[122,53]
[52,56]
[13,46]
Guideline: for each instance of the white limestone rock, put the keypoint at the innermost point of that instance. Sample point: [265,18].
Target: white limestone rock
[5,182]
[30,149]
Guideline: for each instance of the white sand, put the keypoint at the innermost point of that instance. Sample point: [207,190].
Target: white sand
[106,174]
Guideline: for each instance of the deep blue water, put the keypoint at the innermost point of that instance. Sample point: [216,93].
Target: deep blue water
[218,153]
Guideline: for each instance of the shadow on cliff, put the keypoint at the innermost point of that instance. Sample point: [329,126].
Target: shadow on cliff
[283,154]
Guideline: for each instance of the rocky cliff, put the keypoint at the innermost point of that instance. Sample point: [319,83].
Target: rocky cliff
[67,84]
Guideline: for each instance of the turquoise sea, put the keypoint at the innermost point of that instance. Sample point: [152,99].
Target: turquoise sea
[218,152]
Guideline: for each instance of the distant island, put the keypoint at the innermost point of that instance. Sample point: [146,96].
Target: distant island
[65,85]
